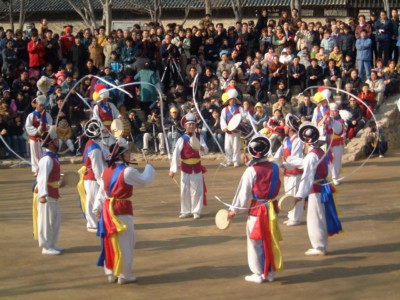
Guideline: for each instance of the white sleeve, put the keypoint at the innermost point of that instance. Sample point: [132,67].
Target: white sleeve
[244,191]
[204,145]
[96,114]
[30,129]
[100,197]
[279,153]
[307,179]
[314,117]
[49,119]
[45,167]
[176,155]
[133,177]
[223,119]
[337,127]
[115,111]
[96,158]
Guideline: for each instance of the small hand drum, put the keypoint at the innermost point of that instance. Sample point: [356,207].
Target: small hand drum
[234,122]
[286,203]
[237,124]
[221,219]
[120,128]
[195,143]
[70,178]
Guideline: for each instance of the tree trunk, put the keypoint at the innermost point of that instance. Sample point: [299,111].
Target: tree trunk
[208,6]
[187,11]
[82,13]
[386,7]
[10,10]
[22,13]
[237,10]
[92,16]
[108,16]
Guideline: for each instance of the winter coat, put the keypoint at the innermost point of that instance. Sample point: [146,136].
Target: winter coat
[36,52]
[363,47]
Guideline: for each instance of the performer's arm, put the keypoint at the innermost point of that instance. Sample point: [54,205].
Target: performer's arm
[96,158]
[296,157]
[135,178]
[49,119]
[176,155]
[307,179]
[314,119]
[244,191]
[223,120]
[96,112]
[30,129]
[203,144]
[100,197]
[115,111]
[45,167]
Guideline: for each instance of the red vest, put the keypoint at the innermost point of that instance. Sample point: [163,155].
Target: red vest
[320,173]
[335,139]
[187,153]
[121,192]
[54,178]
[89,175]
[262,185]
[36,123]
[105,117]
[286,153]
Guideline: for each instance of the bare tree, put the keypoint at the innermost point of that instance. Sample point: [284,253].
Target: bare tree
[85,10]
[23,7]
[107,14]
[237,6]
[386,6]
[187,10]
[208,5]
[297,5]
[9,3]
[151,7]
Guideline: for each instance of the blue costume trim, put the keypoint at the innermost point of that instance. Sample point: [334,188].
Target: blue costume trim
[89,149]
[102,233]
[114,178]
[230,113]
[106,109]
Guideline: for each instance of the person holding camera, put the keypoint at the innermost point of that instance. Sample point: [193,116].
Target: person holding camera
[375,141]
[154,132]
[383,34]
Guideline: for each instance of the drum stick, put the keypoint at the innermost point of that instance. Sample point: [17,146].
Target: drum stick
[176,182]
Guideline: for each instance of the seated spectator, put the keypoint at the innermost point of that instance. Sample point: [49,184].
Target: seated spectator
[224,80]
[64,133]
[304,57]
[355,80]
[283,106]
[322,58]
[58,111]
[227,65]
[283,91]
[193,63]
[90,68]
[347,66]
[257,93]
[260,76]
[375,141]
[296,74]
[20,104]
[332,76]
[379,68]
[337,56]
[369,98]
[269,56]
[314,74]
[276,72]
[154,133]
[276,130]
[391,79]
[285,58]
[306,109]
[68,84]
[377,86]
[345,98]
[328,42]
[260,115]
[173,126]
[356,122]
[16,133]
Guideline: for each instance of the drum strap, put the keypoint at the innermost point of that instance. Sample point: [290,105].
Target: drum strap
[106,108]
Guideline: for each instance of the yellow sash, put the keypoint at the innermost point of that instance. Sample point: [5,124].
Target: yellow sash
[81,189]
[34,215]
[121,227]
[276,237]
[107,123]
[191,161]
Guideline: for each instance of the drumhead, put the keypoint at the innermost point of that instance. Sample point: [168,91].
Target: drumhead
[70,178]
[286,203]
[195,143]
[234,122]
[221,219]
[117,128]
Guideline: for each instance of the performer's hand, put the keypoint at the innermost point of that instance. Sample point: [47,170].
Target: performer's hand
[225,130]
[98,214]
[61,183]
[171,174]
[231,215]
[245,158]
[297,199]
[42,200]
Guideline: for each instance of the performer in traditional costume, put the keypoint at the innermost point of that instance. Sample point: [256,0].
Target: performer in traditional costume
[36,124]
[46,209]
[335,130]
[232,138]
[260,182]
[321,112]
[105,111]
[90,179]
[116,225]
[189,148]
[322,219]
[291,153]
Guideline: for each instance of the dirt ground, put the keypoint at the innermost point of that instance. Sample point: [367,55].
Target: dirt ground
[192,259]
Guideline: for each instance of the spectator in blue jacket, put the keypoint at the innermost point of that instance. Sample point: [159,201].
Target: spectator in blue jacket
[364,50]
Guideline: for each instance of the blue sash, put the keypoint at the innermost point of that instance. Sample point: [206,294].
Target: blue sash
[321,112]
[106,109]
[88,150]
[102,233]
[51,154]
[42,117]
[230,113]
[114,178]
[185,137]
[289,144]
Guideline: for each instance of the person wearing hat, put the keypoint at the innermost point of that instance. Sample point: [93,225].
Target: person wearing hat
[322,219]
[67,41]
[335,129]
[115,209]
[93,165]
[46,209]
[172,124]
[260,182]
[291,154]
[36,124]
[189,147]
[232,138]
[321,112]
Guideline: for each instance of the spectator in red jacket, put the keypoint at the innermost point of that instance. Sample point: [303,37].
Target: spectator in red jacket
[67,41]
[369,98]
[37,52]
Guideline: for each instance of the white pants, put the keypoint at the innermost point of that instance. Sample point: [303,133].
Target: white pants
[127,243]
[147,138]
[255,249]
[36,154]
[336,164]
[49,220]
[192,192]
[232,147]
[316,222]
[91,190]
[291,186]
[69,144]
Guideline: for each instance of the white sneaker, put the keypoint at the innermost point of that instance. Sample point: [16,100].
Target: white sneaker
[236,165]
[90,229]
[111,278]
[226,164]
[254,278]
[336,182]
[196,216]
[162,152]
[292,223]
[286,221]
[58,248]
[184,216]
[313,251]
[50,251]
[130,279]
[381,156]
[146,151]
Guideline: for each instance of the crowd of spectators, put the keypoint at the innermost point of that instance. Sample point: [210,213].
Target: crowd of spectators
[265,61]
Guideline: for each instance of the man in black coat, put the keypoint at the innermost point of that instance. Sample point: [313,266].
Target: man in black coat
[297,74]
[314,74]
